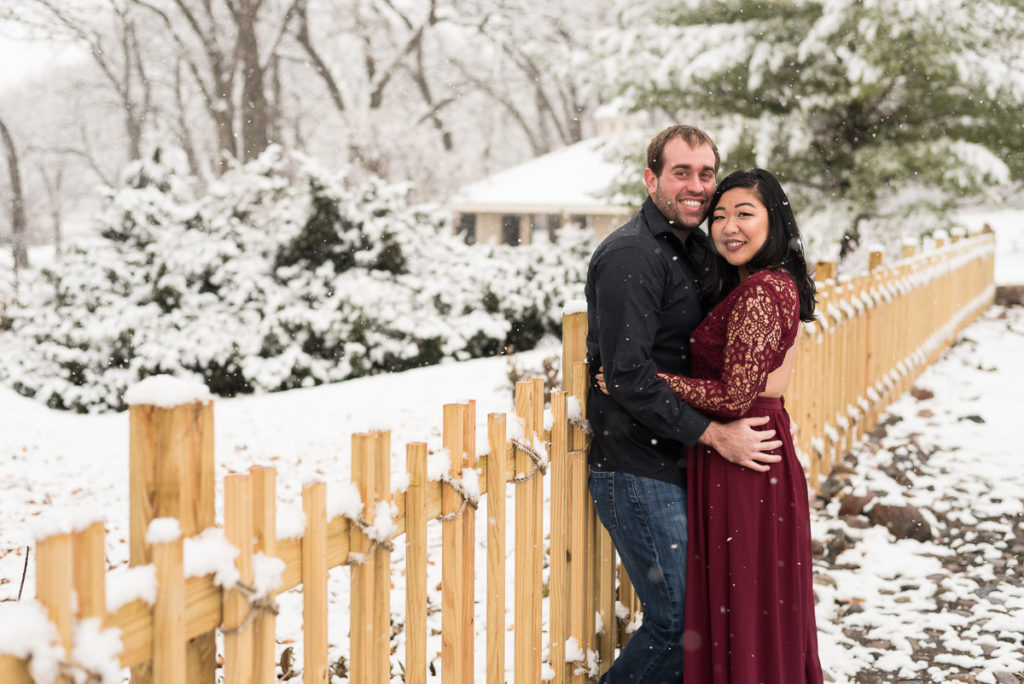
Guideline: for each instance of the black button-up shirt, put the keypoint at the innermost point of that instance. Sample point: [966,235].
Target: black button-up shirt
[642,307]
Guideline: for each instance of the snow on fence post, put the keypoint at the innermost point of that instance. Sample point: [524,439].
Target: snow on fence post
[456,639]
[171,475]
[54,587]
[416,564]
[264,528]
[238,529]
[528,623]
[314,583]
[496,524]
[169,639]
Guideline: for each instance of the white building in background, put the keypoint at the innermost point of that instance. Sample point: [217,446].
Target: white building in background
[529,202]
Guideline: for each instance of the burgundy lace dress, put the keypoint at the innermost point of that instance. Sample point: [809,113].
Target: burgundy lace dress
[749,599]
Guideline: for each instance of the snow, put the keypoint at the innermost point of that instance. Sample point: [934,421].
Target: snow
[96,650]
[209,552]
[552,180]
[166,391]
[575,306]
[163,531]
[125,585]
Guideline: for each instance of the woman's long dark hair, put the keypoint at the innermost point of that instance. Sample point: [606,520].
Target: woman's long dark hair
[783,250]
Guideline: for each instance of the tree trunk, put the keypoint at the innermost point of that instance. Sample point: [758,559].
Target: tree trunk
[254,99]
[18,220]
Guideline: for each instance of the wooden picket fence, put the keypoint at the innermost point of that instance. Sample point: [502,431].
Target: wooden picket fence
[876,333]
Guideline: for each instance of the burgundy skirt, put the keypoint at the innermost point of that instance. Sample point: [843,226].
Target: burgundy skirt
[749,597]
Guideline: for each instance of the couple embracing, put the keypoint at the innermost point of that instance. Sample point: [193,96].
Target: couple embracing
[693,469]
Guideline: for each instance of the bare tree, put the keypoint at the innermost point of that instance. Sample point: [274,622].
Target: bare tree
[52,174]
[117,54]
[19,223]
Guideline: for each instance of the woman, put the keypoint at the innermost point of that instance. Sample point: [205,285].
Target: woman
[749,599]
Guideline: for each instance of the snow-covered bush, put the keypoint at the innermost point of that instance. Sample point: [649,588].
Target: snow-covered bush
[281,275]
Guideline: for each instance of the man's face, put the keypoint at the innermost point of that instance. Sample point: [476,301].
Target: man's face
[687,181]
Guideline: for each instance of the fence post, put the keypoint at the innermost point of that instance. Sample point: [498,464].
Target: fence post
[238,529]
[314,584]
[468,580]
[496,466]
[382,561]
[90,568]
[264,509]
[526,660]
[361,611]
[535,434]
[454,637]
[54,585]
[580,527]
[169,641]
[416,564]
[827,409]
[171,476]
[558,596]
[574,345]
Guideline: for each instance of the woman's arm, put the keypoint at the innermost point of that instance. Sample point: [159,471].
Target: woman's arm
[753,336]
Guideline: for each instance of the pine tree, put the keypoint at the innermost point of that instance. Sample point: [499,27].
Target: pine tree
[867,110]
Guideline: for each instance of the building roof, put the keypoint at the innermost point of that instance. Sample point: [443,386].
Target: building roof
[577,179]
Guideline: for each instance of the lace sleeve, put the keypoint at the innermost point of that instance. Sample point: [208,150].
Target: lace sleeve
[753,337]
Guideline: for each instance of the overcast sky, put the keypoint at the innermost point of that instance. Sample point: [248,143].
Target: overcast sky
[22,59]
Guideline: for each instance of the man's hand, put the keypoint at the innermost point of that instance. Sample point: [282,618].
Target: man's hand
[740,443]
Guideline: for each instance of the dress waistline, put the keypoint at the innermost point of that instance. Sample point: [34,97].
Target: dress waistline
[768,403]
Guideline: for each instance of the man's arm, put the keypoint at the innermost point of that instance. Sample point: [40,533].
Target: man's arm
[737,442]
[628,289]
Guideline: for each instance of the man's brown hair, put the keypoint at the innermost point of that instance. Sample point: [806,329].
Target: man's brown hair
[691,135]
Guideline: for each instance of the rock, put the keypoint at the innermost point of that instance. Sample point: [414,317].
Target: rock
[839,542]
[824,580]
[854,505]
[920,393]
[843,468]
[925,413]
[973,419]
[1005,678]
[1010,295]
[833,485]
[904,522]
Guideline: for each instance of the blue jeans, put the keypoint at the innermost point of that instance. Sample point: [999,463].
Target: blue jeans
[646,519]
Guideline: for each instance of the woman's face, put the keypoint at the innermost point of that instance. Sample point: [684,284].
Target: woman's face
[739,225]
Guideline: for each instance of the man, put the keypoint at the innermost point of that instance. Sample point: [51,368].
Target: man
[642,307]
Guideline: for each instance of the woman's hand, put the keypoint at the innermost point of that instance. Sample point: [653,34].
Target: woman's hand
[600,380]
